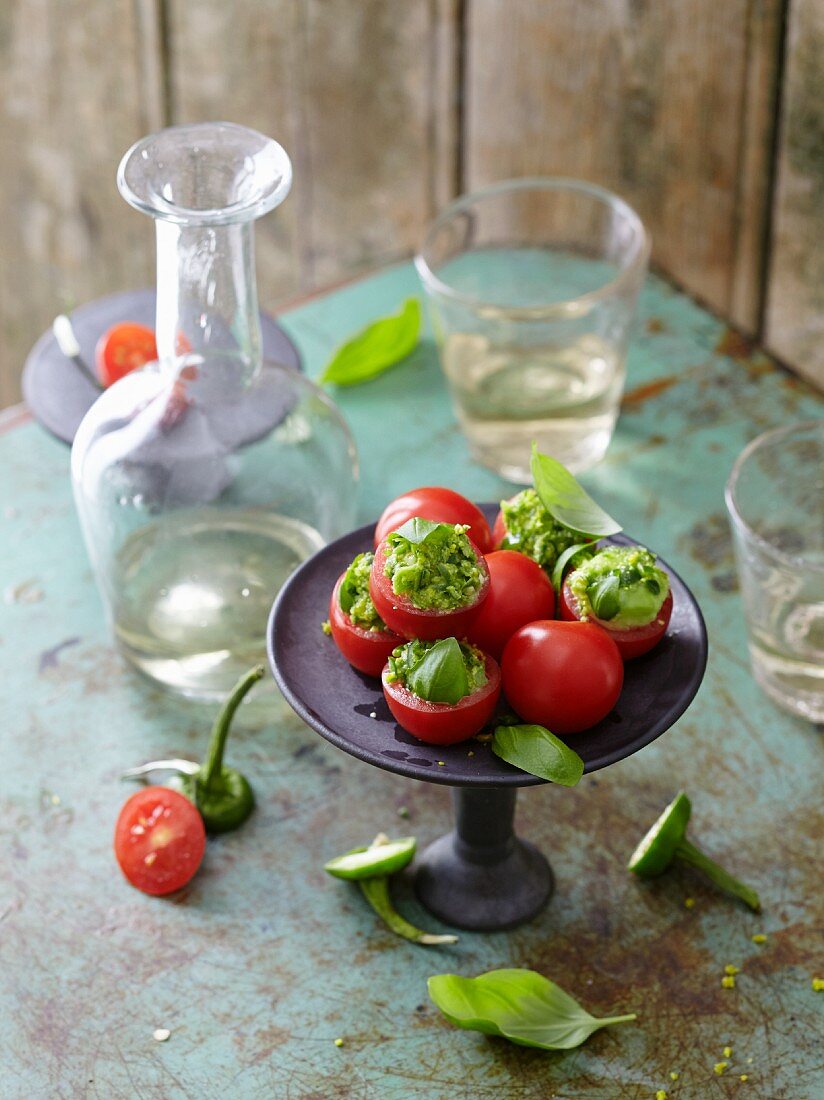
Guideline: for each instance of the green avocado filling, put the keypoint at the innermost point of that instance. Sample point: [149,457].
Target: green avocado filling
[354,597]
[621,586]
[433,565]
[445,671]
[532,530]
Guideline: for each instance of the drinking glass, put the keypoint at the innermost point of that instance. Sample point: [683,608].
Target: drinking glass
[775,497]
[532,286]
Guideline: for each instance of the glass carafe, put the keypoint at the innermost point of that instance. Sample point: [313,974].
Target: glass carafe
[204,479]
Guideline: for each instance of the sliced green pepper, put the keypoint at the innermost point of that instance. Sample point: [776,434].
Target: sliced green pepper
[667,841]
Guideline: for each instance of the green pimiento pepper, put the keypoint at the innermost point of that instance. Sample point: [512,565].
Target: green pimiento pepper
[620,585]
[223,795]
[370,868]
[433,565]
[667,841]
[531,530]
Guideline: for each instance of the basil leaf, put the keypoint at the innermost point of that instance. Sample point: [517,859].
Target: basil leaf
[348,593]
[535,750]
[605,600]
[563,561]
[376,348]
[566,501]
[441,676]
[520,1005]
[418,530]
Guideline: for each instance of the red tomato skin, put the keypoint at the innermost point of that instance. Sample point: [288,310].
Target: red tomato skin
[439,505]
[562,675]
[519,593]
[443,723]
[632,641]
[176,861]
[365,650]
[401,615]
[498,531]
[123,348]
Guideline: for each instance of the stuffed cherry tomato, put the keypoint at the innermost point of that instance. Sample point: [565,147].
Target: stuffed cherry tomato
[442,691]
[524,524]
[519,593]
[159,840]
[359,632]
[624,592]
[123,348]
[439,505]
[561,675]
[428,580]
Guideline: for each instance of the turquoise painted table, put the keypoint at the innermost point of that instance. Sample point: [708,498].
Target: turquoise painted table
[265,961]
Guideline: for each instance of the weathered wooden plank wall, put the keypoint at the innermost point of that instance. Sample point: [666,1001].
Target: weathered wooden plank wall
[389,107]
[795,304]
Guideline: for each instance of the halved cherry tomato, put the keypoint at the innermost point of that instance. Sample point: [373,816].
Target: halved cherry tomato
[519,592]
[401,615]
[122,349]
[444,723]
[561,675]
[159,840]
[365,650]
[632,641]
[438,505]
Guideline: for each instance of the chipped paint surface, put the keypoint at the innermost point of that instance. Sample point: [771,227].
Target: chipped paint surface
[263,962]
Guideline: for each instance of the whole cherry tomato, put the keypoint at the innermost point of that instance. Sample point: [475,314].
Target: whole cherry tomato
[519,593]
[365,650]
[439,505]
[402,616]
[123,348]
[561,675]
[159,840]
[632,641]
[444,723]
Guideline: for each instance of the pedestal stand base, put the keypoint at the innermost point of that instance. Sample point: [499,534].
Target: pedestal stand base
[481,876]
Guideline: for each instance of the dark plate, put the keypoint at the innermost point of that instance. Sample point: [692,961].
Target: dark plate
[58,394]
[338,702]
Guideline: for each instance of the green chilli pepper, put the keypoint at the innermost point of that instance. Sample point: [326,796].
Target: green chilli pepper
[667,841]
[370,868]
[223,795]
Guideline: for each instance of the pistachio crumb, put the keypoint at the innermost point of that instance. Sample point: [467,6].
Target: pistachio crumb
[661,1095]
[470,753]
[720,1067]
[728,982]
[441,763]
[818,984]
[673,1075]
[730,969]
[338,1042]
[326,627]
[743,1077]
[759,937]
[689,903]
[750,1061]
[727,1052]
[403,811]
[161,1034]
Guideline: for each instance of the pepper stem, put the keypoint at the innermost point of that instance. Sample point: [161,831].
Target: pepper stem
[376,892]
[213,764]
[688,853]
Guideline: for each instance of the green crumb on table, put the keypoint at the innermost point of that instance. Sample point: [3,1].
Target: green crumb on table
[470,753]
[727,1052]
[720,1067]
[728,982]
[818,984]
[441,763]
[403,811]
[743,1077]
[326,627]
[689,903]
[750,1061]
[661,1095]
[730,969]
[759,938]
[338,1042]
[673,1075]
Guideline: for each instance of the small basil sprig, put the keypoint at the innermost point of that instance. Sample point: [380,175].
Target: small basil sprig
[520,1005]
[376,348]
[535,750]
[441,675]
[564,560]
[566,501]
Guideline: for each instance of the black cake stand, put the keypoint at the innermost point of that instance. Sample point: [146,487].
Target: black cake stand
[480,876]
